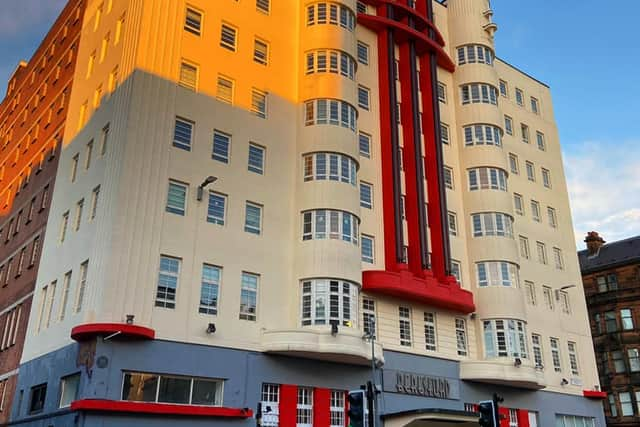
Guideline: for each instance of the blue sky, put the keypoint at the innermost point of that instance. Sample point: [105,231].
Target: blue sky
[586,50]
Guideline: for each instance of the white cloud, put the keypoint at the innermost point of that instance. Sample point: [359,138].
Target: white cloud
[22,16]
[604,187]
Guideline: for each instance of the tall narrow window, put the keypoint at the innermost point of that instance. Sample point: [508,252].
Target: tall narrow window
[337,409]
[513,164]
[176,198]
[189,76]
[524,247]
[104,139]
[253,218]
[270,398]
[63,226]
[260,52]
[536,340]
[518,204]
[363,97]
[366,195]
[209,289]
[216,208]
[442,92]
[64,298]
[405,326]
[193,21]
[369,316]
[259,103]
[508,125]
[78,219]
[452,223]
[540,140]
[430,331]
[249,296]
[82,285]
[262,6]
[548,297]
[363,53]
[573,358]
[634,359]
[183,134]
[546,178]
[221,143]
[551,214]
[367,247]
[74,167]
[524,130]
[530,291]
[87,159]
[228,37]
[35,250]
[557,257]
[167,281]
[555,354]
[304,407]
[461,336]
[535,105]
[444,133]
[519,97]
[95,194]
[256,159]
[627,319]
[225,89]
[364,141]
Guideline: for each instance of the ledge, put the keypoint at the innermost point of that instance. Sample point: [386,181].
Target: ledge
[594,394]
[159,408]
[316,342]
[502,372]
[121,331]
[403,284]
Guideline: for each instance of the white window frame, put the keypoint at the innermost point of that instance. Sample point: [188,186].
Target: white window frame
[248,312]
[430,331]
[404,326]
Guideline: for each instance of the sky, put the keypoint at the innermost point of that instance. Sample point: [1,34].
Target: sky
[586,50]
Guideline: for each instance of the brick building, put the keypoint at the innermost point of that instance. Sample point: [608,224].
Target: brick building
[611,276]
[32,120]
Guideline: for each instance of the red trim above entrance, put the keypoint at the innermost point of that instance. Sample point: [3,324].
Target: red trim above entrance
[594,394]
[159,408]
[124,331]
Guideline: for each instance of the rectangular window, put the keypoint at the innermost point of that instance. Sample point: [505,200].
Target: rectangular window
[524,247]
[78,219]
[337,409]
[253,218]
[555,354]
[74,167]
[573,358]
[546,178]
[168,274]
[176,198]
[540,140]
[513,164]
[142,387]
[216,208]
[64,298]
[364,141]
[557,257]
[448,177]
[444,133]
[304,407]
[551,214]
[224,89]
[249,296]
[456,271]
[542,252]
[63,228]
[363,53]
[69,390]
[627,319]
[209,288]
[228,37]
[262,6]
[564,302]
[531,174]
[535,105]
[618,362]
[405,326]
[535,211]
[270,399]
[87,159]
[548,297]
[430,331]
[82,285]
[634,359]
[369,316]
[612,404]
[104,139]
[461,336]
[626,405]
[367,246]
[366,195]
[259,103]
[536,341]
[519,97]
[518,204]
[260,52]
[183,134]
[193,21]
[95,194]
[256,159]
[452,223]
[504,89]
[221,143]
[442,92]
[37,399]
[508,125]
[524,130]
[610,321]
[363,97]
[119,27]
[35,250]
[189,76]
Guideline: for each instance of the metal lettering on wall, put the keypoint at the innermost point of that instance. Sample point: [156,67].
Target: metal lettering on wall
[420,385]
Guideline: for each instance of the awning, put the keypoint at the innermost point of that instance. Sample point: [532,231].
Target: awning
[430,417]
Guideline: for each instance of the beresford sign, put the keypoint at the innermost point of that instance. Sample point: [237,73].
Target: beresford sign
[420,385]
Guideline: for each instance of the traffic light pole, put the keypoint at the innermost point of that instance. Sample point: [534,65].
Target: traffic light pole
[374,393]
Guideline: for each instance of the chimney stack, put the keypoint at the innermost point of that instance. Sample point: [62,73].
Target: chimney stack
[594,242]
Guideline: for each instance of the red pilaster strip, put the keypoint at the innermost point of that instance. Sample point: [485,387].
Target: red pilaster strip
[436,227]
[288,404]
[523,418]
[321,407]
[504,417]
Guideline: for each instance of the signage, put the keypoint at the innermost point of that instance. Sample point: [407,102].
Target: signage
[420,385]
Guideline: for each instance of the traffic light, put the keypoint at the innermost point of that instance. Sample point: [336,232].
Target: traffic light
[488,410]
[357,414]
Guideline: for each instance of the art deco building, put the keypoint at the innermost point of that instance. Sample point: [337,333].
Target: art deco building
[32,123]
[252,189]
[611,276]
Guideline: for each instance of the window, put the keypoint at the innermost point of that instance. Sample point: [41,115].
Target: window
[524,247]
[74,167]
[221,143]
[363,97]
[34,252]
[364,141]
[104,47]
[87,159]
[612,405]
[442,92]
[337,409]
[479,93]
[540,140]
[249,296]
[618,362]
[430,331]
[519,97]
[63,229]
[330,224]
[331,112]
[143,387]
[82,285]
[189,76]
[64,298]
[504,89]
[513,164]
[104,138]
[183,134]
[573,358]
[259,103]
[228,37]
[505,338]
[167,281]
[78,220]
[304,407]
[452,222]
[256,159]
[404,314]
[270,400]
[508,125]
[262,6]
[524,131]
[611,324]
[551,214]
[338,15]
[475,54]
[326,301]
[69,390]
[444,133]
[331,166]
[209,285]
[119,27]
[448,177]
[564,302]
[518,204]
[548,298]
[607,283]
[37,399]
[253,218]
[176,198]
[634,359]
[492,224]
[224,91]
[367,243]
[625,404]
[261,50]
[557,257]
[535,211]
[597,320]
[487,178]
[456,270]
[555,354]
[535,105]
[542,252]
[482,135]
[537,350]
[91,64]
[546,178]
[627,319]
[461,336]
[363,53]
[497,273]
[366,195]
[113,77]
[216,208]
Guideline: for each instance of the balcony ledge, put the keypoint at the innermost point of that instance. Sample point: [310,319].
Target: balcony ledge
[120,406]
[502,372]
[316,342]
[120,331]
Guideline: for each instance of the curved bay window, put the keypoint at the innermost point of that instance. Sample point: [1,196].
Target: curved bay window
[329,300]
[330,166]
[330,224]
[497,273]
[330,112]
[505,338]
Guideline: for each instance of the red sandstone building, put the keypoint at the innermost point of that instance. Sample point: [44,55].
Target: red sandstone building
[32,120]
[611,276]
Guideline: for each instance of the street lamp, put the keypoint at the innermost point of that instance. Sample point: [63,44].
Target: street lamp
[567,287]
[208,180]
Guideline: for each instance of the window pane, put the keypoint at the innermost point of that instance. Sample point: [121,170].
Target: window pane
[140,387]
[206,392]
[174,390]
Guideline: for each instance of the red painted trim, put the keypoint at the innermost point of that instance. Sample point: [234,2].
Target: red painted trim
[321,407]
[443,294]
[288,405]
[403,32]
[523,418]
[594,394]
[130,332]
[504,417]
[159,408]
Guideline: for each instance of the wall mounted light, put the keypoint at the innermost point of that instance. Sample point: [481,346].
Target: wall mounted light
[208,180]
[517,362]
[130,318]
[211,328]
[334,327]
[564,382]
